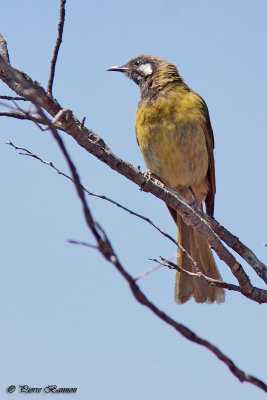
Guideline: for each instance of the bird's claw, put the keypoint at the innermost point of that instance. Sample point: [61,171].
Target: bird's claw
[147,174]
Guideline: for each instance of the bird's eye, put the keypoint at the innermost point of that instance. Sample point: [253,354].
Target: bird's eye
[137,63]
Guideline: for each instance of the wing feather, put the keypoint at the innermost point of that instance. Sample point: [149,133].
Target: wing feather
[207,128]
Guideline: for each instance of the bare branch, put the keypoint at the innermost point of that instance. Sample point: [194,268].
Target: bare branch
[25,87]
[105,248]
[82,244]
[13,98]
[149,271]
[239,247]
[21,115]
[199,275]
[4,50]
[83,121]
[57,45]
[24,115]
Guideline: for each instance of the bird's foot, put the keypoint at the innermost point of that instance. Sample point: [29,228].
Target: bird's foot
[147,174]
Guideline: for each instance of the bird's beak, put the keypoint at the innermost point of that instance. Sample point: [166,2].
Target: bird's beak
[122,68]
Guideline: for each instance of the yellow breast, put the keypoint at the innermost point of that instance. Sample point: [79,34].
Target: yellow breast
[170,135]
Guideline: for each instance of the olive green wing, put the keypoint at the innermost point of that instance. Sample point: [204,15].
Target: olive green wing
[207,128]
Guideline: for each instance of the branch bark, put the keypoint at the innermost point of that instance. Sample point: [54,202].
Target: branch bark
[4,50]
[57,45]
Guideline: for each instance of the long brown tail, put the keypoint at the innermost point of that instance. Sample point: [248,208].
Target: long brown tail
[198,248]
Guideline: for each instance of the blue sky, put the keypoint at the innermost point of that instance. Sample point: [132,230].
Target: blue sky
[67,316]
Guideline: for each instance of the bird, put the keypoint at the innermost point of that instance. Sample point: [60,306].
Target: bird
[175,136]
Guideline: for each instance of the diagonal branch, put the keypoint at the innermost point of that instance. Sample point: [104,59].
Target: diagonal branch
[57,45]
[105,248]
[25,87]
[199,275]
[239,247]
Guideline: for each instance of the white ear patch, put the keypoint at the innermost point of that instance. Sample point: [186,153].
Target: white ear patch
[146,69]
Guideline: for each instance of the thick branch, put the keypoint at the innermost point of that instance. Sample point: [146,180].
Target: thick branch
[25,87]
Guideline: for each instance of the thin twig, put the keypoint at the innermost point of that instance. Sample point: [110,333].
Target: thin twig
[82,244]
[83,121]
[57,45]
[198,274]
[13,98]
[20,115]
[148,272]
[26,116]
[4,50]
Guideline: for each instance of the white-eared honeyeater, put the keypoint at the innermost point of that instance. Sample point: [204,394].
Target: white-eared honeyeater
[175,137]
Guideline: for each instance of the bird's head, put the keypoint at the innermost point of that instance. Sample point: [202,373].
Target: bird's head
[148,71]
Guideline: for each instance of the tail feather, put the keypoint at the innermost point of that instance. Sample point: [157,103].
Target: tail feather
[187,286]
[184,288]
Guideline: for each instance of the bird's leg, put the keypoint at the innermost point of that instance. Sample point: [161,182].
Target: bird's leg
[194,202]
